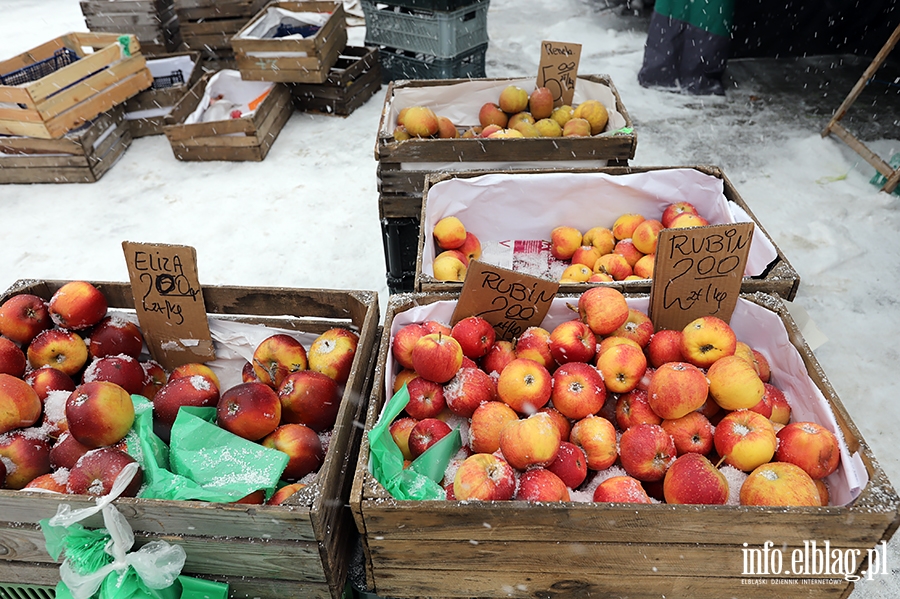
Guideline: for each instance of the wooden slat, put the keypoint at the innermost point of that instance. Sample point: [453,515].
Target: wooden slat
[72,73]
[91,86]
[29,57]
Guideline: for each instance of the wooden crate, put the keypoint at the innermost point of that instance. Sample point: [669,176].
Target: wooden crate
[779,277]
[297,550]
[217,140]
[208,25]
[401,182]
[81,156]
[159,99]
[354,78]
[583,549]
[75,93]
[277,59]
[153,22]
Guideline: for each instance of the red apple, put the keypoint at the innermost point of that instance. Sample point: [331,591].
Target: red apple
[23,316]
[471,247]
[20,405]
[621,489]
[487,421]
[66,452]
[572,341]
[745,439]
[257,497]
[12,358]
[332,353]
[534,344]
[638,327]
[810,446]
[498,356]
[470,388]
[53,482]
[693,479]
[646,451]
[779,484]
[154,378]
[285,493]
[475,335]
[249,410]
[540,484]
[532,441]
[525,386]
[622,367]
[403,342]
[426,433]
[276,357]
[195,368]
[562,423]
[114,336]
[676,389]
[578,390]
[604,309]
[633,408]
[97,470]
[192,391]
[570,464]
[692,433]
[400,430]
[597,437]
[99,413]
[706,339]
[676,208]
[26,456]
[426,398]
[484,477]
[248,375]
[627,249]
[762,365]
[301,444]
[403,378]
[781,409]
[46,379]
[77,305]
[311,398]
[121,369]
[437,357]
[64,350]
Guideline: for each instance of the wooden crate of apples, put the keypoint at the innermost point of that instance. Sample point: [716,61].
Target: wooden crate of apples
[634,457]
[71,357]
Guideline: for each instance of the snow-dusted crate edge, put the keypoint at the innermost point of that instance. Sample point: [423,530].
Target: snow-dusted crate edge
[779,277]
[579,549]
[153,22]
[299,549]
[289,59]
[403,165]
[152,103]
[75,93]
[81,156]
[351,82]
[247,138]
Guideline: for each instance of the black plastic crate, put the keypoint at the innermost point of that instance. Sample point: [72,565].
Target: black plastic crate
[42,68]
[402,64]
[167,81]
[400,237]
[402,284]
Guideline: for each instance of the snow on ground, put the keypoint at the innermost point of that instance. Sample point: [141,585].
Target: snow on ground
[307,216]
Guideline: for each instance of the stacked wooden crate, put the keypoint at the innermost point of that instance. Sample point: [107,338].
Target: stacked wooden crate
[153,22]
[173,75]
[207,26]
[354,79]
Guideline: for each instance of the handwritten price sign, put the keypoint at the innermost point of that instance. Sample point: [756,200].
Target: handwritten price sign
[510,301]
[558,69]
[169,302]
[698,272]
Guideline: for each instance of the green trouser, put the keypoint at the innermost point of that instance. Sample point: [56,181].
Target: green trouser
[687,45]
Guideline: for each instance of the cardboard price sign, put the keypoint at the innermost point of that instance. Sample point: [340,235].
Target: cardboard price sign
[698,272]
[558,69]
[509,300]
[169,302]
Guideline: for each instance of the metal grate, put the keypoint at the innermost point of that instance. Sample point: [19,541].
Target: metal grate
[167,81]
[42,68]
[26,591]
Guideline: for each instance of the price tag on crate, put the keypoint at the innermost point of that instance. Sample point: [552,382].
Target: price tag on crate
[509,300]
[698,272]
[169,302]
[558,69]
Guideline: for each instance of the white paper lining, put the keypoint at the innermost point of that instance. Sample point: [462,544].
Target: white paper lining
[235,90]
[755,325]
[264,27]
[500,207]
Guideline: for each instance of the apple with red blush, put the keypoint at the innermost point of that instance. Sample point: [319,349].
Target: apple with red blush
[249,410]
[578,390]
[498,356]
[633,408]
[284,493]
[96,472]
[485,477]
[693,479]
[597,437]
[646,451]
[302,446]
[525,386]
[475,336]
[332,353]
[58,348]
[311,398]
[66,452]
[540,484]
[531,441]
[691,433]
[570,465]
[52,482]
[278,356]
[154,378]
[622,366]
[676,389]
[12,358]
[77,305]
[470,388]
[621,489]
[604,309]
[23,316]
[115,335]
[664,346]
[437,357]
[26,455]
[46,379]
[810,446]
[195,391]
[426,433]
[121,369]
[399,431]
[638,327]
[20,405]
[572,341]
[99,413]
[534,344]
[486,423]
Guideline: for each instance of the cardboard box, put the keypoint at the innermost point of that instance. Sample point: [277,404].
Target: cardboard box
[574,204]
[291,59]
[579,549]
[173,75]
[402,166]
[299,549]
[351,82]
[58,86]
[245,138]
[82,155]
[152,22]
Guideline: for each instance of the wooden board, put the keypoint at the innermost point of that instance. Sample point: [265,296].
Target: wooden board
[514,548]
[322,49]
[157,98]
[298,549]
[780,278]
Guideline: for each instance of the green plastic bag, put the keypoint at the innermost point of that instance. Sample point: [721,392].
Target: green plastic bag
[420,480]
[203,462]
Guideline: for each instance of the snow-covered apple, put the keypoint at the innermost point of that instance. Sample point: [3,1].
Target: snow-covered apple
[664,346]
[196,368]
[26,456]
[621,489]
[99,413]
[58,348]
[540,484]
[498,356]
[426,398]
[745,439]
[66,452]
[470,388]
[475,335]
[399,431]
[120,369]
[77,305]
[578,390]
[693,479]
[638,327]
[195,391]
[115,335]
[810,446]
[46,379]
[96,472]
[525,386]
[534,344]
[646,451]
[332,353]
[531,441]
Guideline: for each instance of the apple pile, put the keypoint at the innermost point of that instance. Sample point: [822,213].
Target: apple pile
[68,370]
[604,408]
[457,248]
[515,114]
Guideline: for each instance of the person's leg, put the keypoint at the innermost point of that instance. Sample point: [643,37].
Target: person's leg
[662,52]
